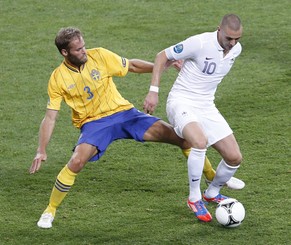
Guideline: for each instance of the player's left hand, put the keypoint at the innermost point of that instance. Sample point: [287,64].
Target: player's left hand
[177,64]
[150,102]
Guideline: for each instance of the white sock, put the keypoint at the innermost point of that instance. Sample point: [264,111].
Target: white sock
[195,167]
[223,173]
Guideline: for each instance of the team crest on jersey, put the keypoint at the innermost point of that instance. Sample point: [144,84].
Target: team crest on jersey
[95,74]
[178,48]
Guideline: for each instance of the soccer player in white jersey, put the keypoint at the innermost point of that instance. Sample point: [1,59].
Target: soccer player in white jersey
[208,57]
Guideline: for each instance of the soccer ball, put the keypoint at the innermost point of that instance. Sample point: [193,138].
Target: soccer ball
[230,212]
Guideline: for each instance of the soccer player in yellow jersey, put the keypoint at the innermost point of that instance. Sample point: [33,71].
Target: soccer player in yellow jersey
[84,82]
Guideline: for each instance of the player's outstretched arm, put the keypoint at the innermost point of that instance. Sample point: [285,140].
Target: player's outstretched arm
[140,66]
[151,100]
[45,131]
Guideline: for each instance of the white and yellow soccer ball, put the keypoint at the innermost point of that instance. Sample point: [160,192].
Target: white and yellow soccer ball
[230,213]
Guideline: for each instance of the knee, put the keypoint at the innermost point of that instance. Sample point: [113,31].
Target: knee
[199,143]
[234,159]
[76,164]
[195,137]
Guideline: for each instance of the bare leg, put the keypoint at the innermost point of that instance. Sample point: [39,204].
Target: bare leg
[231,159]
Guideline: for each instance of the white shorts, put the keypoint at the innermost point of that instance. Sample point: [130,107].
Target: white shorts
[213,124]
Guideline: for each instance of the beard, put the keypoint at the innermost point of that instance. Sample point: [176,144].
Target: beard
[74,60]
[227,47]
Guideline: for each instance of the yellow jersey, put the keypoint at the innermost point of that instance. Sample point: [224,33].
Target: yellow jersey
[91,92]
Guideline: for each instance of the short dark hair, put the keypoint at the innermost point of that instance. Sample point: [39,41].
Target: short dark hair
[65,36]
[232,21]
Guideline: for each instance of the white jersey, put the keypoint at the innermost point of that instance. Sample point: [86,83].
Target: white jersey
[203,69]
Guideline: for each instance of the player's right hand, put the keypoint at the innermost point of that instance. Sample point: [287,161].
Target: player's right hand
[37,161]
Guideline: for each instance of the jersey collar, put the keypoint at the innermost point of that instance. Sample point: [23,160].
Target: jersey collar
[72,68]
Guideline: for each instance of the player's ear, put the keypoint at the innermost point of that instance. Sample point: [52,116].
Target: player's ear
[64,52]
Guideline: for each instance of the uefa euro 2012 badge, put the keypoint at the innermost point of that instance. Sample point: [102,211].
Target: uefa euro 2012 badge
[178,48]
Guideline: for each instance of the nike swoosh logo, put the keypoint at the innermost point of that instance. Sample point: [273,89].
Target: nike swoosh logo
[193,180]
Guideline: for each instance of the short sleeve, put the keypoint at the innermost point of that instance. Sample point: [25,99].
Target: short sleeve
[185,49]
[115,64]
[55,95]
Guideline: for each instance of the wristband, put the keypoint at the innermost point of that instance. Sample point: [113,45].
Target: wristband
[154,88]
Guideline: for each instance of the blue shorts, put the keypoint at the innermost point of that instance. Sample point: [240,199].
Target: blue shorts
[130,124]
